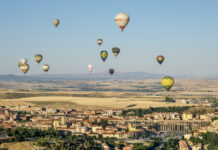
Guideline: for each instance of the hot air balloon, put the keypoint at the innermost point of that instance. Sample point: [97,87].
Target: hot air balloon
[111,71]
[24,68]
[167,82]
[122,20]
[45,67]
[23,61]
[38,58]
[55,22]
[104,55]
[115,51]
[90,68]
[160,59]
[99,41]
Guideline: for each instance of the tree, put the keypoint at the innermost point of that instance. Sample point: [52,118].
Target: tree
[168,99]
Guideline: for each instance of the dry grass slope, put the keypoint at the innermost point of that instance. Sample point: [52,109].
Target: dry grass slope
[105,94]
[18,146]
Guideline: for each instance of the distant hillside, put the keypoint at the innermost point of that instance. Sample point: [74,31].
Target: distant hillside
[89,77]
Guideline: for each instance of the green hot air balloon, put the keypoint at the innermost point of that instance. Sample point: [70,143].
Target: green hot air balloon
[116,51]
[38,58]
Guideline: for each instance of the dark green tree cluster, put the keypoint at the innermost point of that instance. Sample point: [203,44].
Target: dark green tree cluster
[209,138]
[102,122]
[196,140]
[153,145]
[215,118]
[168,99]
[213,100]
[22,134]
[55,140]
[171,144]
[141,112]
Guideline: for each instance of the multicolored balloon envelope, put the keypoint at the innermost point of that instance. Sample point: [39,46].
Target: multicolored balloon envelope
[24,68]
[99,41]
[104,55]
[23,61]
[45,67]
[167,82]
[122,20]
[38,58]
[160,59]
[116,51]
[111,71]
[55,22]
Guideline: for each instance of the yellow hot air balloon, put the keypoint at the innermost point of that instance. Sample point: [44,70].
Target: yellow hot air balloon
[160,59]
[167,82]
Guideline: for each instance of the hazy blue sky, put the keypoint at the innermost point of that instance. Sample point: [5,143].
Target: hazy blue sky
[184,31]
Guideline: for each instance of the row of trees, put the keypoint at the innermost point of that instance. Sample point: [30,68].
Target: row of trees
[141,112]
[90,143]
[22,134]
[56,140]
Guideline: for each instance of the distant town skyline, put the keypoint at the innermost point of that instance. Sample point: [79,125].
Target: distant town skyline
[185,32]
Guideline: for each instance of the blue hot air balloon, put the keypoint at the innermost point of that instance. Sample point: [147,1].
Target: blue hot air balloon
[104,55]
